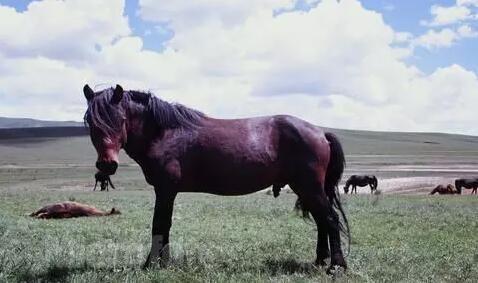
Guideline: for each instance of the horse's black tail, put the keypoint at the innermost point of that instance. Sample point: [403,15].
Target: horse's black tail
[332,178]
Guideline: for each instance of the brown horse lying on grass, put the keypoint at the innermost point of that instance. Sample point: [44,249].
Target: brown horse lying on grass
[70,209]
[442,190]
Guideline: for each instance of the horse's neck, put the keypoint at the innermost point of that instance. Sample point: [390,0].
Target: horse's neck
[139,139]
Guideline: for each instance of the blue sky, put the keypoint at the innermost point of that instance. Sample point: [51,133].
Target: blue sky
[325,61]
[406,16]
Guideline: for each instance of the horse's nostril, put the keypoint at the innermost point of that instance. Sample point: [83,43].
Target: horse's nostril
[100,165]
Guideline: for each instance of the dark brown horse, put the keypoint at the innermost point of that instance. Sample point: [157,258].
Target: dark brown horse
[183,150]
[442,190]
[104,180]
[361,181]
[70,209]
[467,184]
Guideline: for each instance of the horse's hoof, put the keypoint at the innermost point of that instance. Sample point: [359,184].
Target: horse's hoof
[159,264]
[336,271]
[145,266]
[320,263]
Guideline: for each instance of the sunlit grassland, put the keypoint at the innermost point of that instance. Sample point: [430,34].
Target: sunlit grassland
[249,238]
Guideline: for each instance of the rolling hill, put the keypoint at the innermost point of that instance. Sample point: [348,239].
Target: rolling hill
[72,145]
[33,123]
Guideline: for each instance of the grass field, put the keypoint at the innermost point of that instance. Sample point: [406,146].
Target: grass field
[395,238]
[250,238]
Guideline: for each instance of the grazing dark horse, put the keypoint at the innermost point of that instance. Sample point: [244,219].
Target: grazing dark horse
[183,150]
[104,181]
[70,209]
[361,181]
[442,190]
[467,184]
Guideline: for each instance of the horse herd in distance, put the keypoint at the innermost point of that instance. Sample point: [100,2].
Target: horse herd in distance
[355,181]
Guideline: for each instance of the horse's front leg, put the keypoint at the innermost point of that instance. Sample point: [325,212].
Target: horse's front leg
[111,183]
[163,211]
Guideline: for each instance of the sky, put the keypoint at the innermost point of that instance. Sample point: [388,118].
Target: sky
[372,65]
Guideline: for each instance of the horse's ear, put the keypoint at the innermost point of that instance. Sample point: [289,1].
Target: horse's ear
[117,94]
[89,93]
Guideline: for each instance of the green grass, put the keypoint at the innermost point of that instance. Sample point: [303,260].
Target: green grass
[246,239]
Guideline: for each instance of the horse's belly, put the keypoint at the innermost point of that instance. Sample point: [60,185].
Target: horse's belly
[228,191]
[235,180]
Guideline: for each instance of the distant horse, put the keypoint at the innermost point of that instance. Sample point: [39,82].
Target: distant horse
[442,190]
[104,181]
[361,181]
[70,209]
[467,184]
[183,150]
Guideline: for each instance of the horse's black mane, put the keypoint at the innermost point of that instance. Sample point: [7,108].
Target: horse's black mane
[166,115]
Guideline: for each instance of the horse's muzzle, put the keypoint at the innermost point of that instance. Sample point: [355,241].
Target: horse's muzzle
[107,167]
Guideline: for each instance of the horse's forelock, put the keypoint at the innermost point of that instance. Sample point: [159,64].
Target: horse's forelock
[102,115]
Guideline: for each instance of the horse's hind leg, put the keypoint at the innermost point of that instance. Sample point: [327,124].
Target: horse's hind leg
[314,197]
[322,249]
[308,201]
[327,221]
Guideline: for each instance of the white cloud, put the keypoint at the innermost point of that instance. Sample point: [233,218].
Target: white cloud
[435,39]
[183,14]
[61,29]
[336,65]
[444,38]
[467,3]
[403,37]
[456,18]
[466,31]
[448,15]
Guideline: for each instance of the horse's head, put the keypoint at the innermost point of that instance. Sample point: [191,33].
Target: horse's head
[106,119]
[346,189]
[114,211]
[375,182]
[458,186]
[452,189]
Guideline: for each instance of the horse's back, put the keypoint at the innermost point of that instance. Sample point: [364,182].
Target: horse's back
[466,182]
